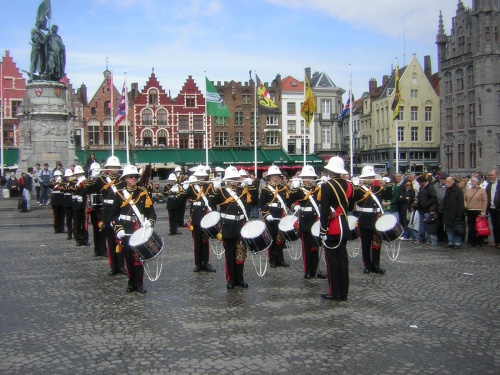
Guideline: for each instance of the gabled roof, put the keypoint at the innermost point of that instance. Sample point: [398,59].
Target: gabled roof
[389,88]
[321,81]
[291,84]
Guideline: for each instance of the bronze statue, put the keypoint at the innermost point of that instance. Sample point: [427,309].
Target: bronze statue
[55,56]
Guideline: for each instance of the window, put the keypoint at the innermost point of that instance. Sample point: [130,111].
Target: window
[107,133]
[449,156]
[472,153]
[161,117]
[495,34]
[428,134]
[93,111]
[470,78]
[93,134]
[460,116]
[291,146]
[198,141]
[14,105]
[326,107]
[183,122]
[292,126]
[220,138]
[414,93]
[401,134]
[272,120]
[401,116]
[147,117]
[461,156]
[428,114]
[107,108]
[246,99]
[448,88]
[326,138]
[461,44]
[198,122]
[153,97]
[486,35]
[238,118]
[414,134]
[122,135]
[414,114]
[290,108]
[460,80]
[147,138]
[252,138]
[272,138]
[161,138]
[221,121]
[449,118]
[183,141]
[304,147]
[238,138]
[252,118]
[190,101]
[472,115]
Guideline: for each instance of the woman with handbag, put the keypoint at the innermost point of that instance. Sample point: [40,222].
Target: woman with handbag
[476,204]
[453,207]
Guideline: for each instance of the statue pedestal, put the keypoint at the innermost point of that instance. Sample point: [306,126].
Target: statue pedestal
[47,126]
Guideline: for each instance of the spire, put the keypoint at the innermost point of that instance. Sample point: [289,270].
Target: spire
[441,36]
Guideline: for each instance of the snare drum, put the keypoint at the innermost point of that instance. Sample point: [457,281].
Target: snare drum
[388,227]
[146,243]
[287,228]
[315,229]
[210,224]
[256,236]
[96,201]
[352,220]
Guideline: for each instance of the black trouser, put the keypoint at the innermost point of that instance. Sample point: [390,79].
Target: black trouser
[116,260]
[58,213]
[495,224]
[441,231]
[275,252]
[310,254]
[371,256]
[173,219]
[201,247]
[68,213]
[99,236]
[180,213]
[135,270]
[81,232]
[337,265]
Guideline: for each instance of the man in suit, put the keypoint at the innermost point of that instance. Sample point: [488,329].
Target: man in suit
[493,193]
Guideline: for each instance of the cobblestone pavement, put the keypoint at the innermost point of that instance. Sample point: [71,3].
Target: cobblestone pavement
[434,312]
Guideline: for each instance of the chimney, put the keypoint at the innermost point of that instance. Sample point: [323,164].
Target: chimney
[83,94]
[427,66]
[308,73]
[385,80]
[134,90]
[372,85]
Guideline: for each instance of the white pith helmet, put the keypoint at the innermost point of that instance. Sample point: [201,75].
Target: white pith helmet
[336,165]
[68,173]
[78,170]
[57,173]
[273,170]
[231,173]
[243,173]
[130,170]
[172,177]
[112,161]
[308,171]
[177,169]
[367,172]
[200,171]
[192,178]
[95,167]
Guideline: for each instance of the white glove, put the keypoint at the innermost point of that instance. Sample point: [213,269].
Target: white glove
[269,218]
[296,208]
[95,173]
[295,183]
[323,238]
[248,181]
[217,184]
[355,181]
[79,199]
[324,178]
[120,234]
[185,185]
[148,224]
[174,189]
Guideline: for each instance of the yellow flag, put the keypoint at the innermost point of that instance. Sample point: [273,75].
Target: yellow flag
[397,96]
[309,106]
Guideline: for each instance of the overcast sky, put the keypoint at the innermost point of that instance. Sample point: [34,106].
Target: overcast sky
[224,39]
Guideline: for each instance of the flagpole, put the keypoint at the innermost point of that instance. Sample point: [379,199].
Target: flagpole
[111,88]
[206,120]
[255,120]
[306,120]
[1,118]
[396,122]
[126,118]
[350,121]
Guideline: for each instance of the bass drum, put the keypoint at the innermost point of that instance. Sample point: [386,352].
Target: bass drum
[388,227]
[315,229]
[211,225]
[352,220]
[146,243]
[256,236]
[287,227]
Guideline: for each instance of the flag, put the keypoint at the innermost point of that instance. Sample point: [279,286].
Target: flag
[397,96]
[344,111]
[44,12]
[309,106]
[266,103]
[215,104]
[120,112]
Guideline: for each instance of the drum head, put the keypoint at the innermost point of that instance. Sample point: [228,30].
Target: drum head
[352,221]
[140,235]
[287,223]
[385,223]
[315,229]
[253,228]
[211,219]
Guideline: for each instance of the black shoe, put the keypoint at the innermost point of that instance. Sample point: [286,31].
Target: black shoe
[378,270]
[272,264]
[367,270]
[321,275]
[230,286]
[172,234]
[329,297]
[208,267]
[242,284]
[197,269]
[448,245]
[85,244]
[121,271]
[284,264]
[307,275]
[130,289]
[141,289]
[112,272]
[457,247]
[69,238]
[78,243]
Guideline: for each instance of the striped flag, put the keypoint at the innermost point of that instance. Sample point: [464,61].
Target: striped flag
[120,113]
[215,104]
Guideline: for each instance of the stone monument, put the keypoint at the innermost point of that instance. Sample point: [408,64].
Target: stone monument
[46,119]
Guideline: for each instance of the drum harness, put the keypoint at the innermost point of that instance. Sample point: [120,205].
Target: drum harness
[309,195]
[369,192]
[198,191]
[343,211]
[237,200]
[276,195]
[140,217]
[110,184]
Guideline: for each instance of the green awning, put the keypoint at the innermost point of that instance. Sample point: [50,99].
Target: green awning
[277,157]
[100,155]
[243,157]
[311,159]
[10,157]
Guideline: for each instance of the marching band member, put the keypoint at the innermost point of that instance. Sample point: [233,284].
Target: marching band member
[306,197]
[336,198]
[234,202]
[56,201]
[172,193]
[182,197]
[108,185]
[67,187]
[368,197]
[200,194]
[95,213]
[273,204]
[79,205]
[131,208]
